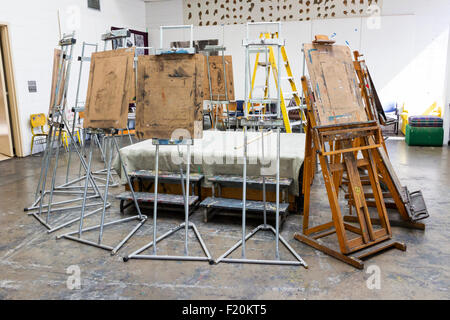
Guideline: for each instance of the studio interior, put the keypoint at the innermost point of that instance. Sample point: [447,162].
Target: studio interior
[224,150]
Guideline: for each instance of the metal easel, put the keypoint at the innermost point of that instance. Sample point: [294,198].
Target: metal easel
[79,107]
[261,121]
[186,225]
[110,145]
[57,122]
[215,100]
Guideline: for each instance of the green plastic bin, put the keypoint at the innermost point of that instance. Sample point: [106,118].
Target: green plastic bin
[424,136]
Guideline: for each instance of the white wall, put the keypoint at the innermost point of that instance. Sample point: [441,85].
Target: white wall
[407,54]
[34,34]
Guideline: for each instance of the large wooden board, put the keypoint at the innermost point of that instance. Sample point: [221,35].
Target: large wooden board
[335,85]
[170,95]
[56,60]
[110,89]
[217,78]
[6,145]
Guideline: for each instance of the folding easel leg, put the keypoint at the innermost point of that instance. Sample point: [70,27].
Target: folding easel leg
[55,168]
[277,223]
[43,164]
[128,179]
[244,193]
[80,230]
[108,151]
[317,245]
[53,229]
[83,163]
[334,204]
[47,164]
[155,205]
[186,202]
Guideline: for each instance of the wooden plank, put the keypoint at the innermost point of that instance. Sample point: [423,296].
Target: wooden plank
[382,246]
[251,181]
[164,176]
[56,60]
[170,96]
[217,78]
[6,144]
[11,87]
[170,199]
[236,204]
[333,80]
[109,89]
[319,246]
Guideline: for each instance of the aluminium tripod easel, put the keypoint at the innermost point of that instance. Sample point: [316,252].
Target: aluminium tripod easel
[337,145]
[110,144]
[79,107]
[57,122]
[261,121]
[96,124]
[186,225]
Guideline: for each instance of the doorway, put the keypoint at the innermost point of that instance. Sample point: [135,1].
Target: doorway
[10,133]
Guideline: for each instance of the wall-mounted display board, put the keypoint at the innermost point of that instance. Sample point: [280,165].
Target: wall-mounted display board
[333,79]
[110,89]
[217,78]
[170,95]
[212,13]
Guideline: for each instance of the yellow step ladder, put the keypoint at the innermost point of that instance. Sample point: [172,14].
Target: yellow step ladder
[270,65]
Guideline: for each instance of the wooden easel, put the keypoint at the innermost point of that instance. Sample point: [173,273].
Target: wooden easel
[399,194]
[337,144]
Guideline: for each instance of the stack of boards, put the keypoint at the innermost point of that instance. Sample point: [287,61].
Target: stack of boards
[169,94]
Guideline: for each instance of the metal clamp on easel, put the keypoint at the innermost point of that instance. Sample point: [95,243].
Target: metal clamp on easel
[186,225]
[111,143]
[274,121]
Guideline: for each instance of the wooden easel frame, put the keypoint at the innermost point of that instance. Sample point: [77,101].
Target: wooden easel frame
[344,142]
[385,170]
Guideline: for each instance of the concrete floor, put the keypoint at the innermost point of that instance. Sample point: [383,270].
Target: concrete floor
[33,264]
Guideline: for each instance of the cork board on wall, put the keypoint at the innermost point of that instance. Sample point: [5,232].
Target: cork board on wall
[336,88]
[56,60]
[110,89]
[217,78]
[170,95]
[218,12]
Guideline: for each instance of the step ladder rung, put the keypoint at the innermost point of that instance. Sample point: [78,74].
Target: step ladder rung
[263,101]
[258,50]
[265,115]
[293,108]
[295,123]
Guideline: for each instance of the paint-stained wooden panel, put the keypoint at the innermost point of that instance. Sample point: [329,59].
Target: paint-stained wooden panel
[217,78]
[335,85]
[56,60]
[170,95]
[110,89]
